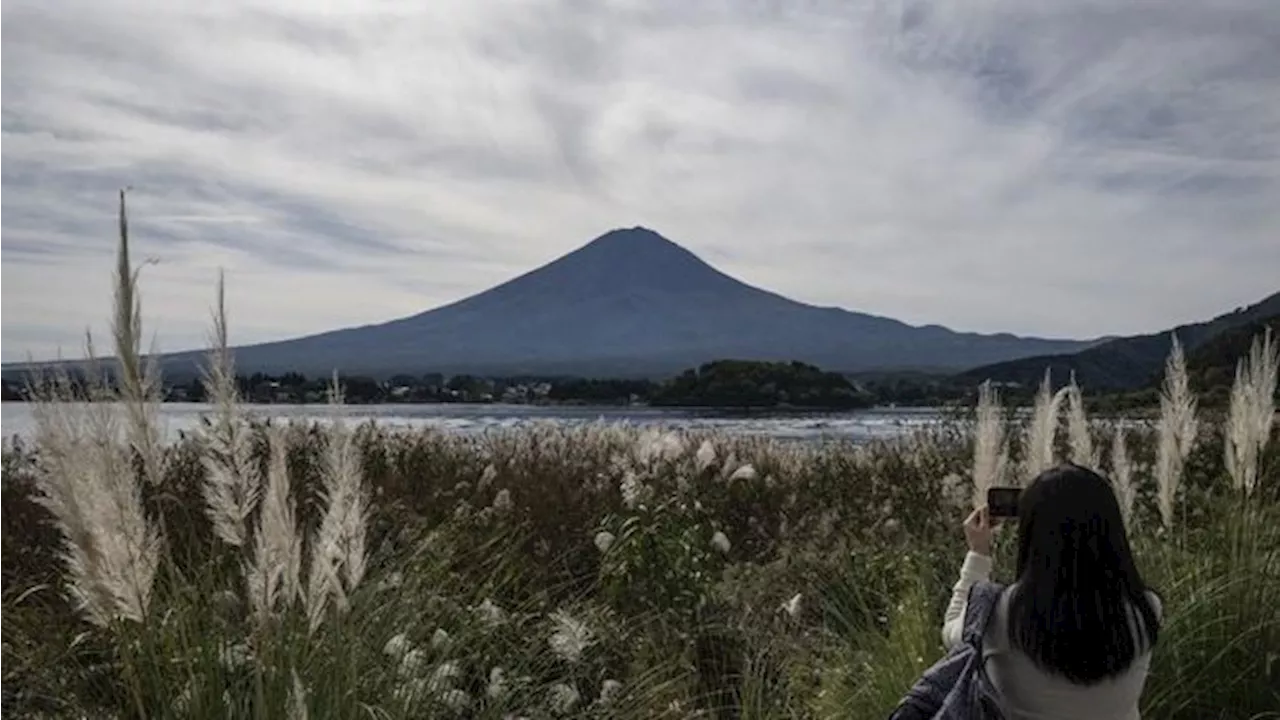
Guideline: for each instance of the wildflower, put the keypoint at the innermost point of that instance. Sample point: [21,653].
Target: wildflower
[563,698]
[792,606]
[443,676]
[604,540]
[440,639]
[411,691]
[456,700]
[491,614]
[721,542]
[609,691]
[571,637]
[705,456]
[632,490]
[487,477]
[502,501]
[397,646]
[412,662]
[497,688]
[234,657]
[655,445]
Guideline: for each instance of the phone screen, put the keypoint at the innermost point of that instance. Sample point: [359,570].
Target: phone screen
[1003,501]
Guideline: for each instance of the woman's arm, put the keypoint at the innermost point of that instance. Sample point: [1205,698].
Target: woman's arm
[978,533]
[976,568]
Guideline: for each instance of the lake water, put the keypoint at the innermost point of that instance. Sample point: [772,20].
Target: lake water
[860,425]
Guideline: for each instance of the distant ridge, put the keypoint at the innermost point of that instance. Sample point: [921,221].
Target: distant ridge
[1129,363]
[630,303]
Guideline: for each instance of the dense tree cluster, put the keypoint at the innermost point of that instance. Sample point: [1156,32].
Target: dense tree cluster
[747,384]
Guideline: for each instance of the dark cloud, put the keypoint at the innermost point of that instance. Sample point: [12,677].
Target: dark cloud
[917,159]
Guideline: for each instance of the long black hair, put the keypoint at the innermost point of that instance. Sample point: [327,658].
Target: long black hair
[1079,592]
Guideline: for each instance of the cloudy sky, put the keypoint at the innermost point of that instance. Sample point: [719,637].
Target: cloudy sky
[1067,168]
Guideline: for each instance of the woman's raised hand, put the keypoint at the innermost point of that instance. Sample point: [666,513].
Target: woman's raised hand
[979,531]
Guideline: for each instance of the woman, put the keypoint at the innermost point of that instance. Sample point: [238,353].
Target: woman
[1072,636]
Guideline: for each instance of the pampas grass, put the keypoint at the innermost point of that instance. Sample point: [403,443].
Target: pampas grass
[1176,432]
[1038,446]
[990,451]
[232,477]
[338,550]
[272,575]
[1122,474]
[1081,441]
[137,380]
[1252,412]
[86,477]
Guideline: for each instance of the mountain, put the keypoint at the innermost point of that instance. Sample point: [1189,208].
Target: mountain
[1212,365]
[629,303]
[1128,363]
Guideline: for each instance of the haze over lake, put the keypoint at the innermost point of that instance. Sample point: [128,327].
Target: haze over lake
[858,426]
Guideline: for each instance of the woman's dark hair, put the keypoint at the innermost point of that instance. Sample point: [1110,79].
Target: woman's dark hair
[1073,609]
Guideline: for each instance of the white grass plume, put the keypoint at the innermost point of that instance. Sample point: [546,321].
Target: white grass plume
[1252,411]
[86,478]
[990,449]
[272,574]
[1176,431]
[338,551]
[1081,441]
[139,390]
[233,479]
[1038,447]
[1122,474]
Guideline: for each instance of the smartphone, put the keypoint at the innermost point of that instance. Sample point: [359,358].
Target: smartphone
[1003,501]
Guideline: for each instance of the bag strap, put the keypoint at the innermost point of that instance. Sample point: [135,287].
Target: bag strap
[983,597]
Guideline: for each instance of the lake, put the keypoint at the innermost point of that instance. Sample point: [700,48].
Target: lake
[858,426]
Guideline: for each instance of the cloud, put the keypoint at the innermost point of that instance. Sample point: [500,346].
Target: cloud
[1061,169]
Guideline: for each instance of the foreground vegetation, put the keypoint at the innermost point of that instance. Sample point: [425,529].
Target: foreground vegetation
[329,571]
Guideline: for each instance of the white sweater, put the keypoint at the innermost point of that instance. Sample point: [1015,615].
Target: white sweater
[1026,691]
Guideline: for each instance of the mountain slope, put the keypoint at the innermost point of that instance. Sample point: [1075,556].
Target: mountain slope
[1125,363]
[629,303]
[1212,365]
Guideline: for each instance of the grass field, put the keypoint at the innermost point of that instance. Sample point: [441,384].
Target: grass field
[345,572]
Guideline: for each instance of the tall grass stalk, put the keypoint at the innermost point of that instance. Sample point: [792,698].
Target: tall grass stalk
[137,379]
[272,574]
[1122,475]
[1078,433]
[86,477]
[1038,446]
[1252,412]
[338,550]
[990,450]
[233,479]
[1176,432]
